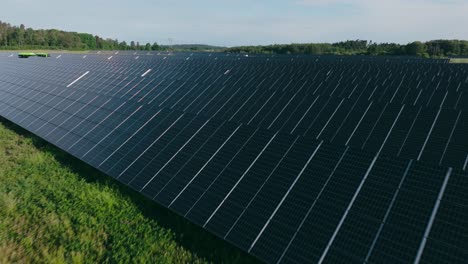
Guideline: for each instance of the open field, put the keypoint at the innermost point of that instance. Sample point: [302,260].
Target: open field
[459,60]
[56,209]
[48,51]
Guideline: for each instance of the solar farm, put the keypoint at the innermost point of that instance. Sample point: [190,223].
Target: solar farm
[291,158]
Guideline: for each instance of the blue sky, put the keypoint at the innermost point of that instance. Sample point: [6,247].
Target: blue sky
[247,22]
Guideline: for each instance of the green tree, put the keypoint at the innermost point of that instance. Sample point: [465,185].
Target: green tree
[155,46]
[123,45]
[416,48]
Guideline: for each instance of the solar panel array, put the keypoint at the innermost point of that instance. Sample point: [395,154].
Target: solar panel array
[293,159]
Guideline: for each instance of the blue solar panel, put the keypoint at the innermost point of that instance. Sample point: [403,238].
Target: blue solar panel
[293,159]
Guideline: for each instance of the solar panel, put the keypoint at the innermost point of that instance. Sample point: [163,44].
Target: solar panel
[291,158]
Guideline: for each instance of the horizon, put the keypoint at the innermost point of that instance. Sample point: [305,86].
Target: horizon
[227,24]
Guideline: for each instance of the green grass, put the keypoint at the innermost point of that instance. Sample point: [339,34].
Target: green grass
[27,53]
[56,209]
[48,51]
[459,60]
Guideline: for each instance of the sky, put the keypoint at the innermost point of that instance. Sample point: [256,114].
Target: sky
[247,22]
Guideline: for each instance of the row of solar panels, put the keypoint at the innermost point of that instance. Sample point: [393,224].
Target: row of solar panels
[220,175]
[281,196]
[433,135]
[433,131]
[235,56]
[415,88]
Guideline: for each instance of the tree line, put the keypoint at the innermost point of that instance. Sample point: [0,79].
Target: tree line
[434,48]
[19,37]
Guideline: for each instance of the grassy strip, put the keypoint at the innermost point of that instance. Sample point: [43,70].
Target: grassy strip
[56,209]
[48,51]
[459,60]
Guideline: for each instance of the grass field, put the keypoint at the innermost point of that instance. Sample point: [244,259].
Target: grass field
[47,51]
[460,60]
[56,209]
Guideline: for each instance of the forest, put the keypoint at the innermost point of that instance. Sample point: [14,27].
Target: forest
[21,38]
[433,49]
